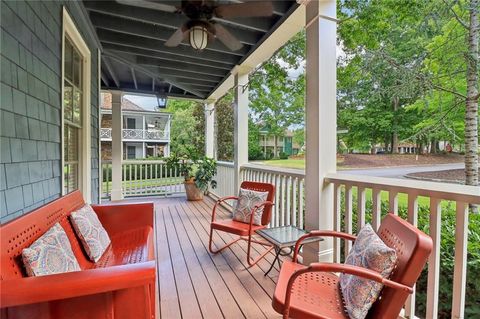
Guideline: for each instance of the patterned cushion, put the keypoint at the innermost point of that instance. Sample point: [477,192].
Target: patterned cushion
[368,251]
[50,254]
[93,236]
[247,200]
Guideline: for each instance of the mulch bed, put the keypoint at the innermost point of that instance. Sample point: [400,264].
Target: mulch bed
[448,176]
[387,160]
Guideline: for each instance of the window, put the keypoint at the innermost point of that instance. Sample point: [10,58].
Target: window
[72,117]
[131,152]
[76,130]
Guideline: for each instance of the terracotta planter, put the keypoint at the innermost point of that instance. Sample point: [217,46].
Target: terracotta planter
[193,192]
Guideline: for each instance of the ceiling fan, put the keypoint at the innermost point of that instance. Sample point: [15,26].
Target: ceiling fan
[201,29]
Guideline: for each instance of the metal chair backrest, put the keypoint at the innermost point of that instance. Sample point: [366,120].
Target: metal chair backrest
[413,248]
[262,187]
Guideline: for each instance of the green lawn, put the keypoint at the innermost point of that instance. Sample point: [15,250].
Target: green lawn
[287,163]
[147,183]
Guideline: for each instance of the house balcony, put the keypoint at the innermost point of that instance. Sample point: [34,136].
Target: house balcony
[137,135]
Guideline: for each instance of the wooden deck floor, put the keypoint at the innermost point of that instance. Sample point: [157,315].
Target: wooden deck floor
[192,283]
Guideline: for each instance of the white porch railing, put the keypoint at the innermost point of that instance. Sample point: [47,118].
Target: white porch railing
[136,134]
[224,178]
[289,194]
[355,192]
[437,193]
[143,178]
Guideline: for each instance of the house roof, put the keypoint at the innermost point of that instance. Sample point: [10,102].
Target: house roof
[127,105]
[135,58]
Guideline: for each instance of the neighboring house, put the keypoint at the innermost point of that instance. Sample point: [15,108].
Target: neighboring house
[284,144]
[145,133]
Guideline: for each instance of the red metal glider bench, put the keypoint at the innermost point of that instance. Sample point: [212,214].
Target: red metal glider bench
[313,292]
[120,285]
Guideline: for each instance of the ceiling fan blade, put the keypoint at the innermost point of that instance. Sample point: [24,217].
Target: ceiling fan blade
[227,38]
[149,5]
[176,38]
[248,9]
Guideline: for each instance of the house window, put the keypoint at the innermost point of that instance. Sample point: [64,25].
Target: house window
[131,152]
[76,111]
[72,117]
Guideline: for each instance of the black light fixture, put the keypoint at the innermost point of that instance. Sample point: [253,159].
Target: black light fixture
[162,101]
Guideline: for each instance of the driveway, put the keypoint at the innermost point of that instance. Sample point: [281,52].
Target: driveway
[401,171]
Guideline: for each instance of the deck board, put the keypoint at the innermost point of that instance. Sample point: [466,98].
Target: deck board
[192,283]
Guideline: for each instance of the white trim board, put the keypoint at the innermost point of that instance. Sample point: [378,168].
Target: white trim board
[69,28]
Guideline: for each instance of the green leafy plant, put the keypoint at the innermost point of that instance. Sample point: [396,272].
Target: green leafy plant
[200,169]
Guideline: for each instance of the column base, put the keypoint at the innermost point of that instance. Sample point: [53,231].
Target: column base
[116,194]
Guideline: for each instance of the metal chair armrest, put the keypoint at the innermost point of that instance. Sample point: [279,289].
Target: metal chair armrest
[320,233]
[218,202]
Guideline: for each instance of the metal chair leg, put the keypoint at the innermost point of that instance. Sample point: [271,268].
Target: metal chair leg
[210,248]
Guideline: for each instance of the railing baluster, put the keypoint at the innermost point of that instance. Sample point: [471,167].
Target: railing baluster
[460,267]
[301,206]
[294,201]
[434,258]
[412,219]
[376,208]
[348,216]
[393,202]
[337,197]
[282,200]
[360,207]
[277,197]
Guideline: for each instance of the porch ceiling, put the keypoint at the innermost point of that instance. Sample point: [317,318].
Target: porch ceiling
[133,35]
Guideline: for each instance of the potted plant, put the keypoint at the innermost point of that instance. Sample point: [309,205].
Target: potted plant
[198,173]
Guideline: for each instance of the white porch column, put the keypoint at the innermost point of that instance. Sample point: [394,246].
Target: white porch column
[241,123]
[209,129]
[117,145]
[321,122]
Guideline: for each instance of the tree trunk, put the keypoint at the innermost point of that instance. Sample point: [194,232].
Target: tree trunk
[471,110]
[275,146]
[434,147]
[396,101]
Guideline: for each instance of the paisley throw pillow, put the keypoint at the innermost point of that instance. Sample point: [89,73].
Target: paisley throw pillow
[247,200]
[368,251]
[93,236]
[50,254]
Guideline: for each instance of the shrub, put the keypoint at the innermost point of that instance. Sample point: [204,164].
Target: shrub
[283,155]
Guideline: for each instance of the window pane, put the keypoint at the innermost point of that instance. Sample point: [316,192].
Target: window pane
[77,68]
[67,101]
[68,60]
[72,152]
[70,177]
[77,105]
[65,178]
[66,142]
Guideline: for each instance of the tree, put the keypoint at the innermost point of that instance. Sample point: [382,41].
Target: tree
[184,137]
[277,97]
[254,149]
[471,111]
[224,127]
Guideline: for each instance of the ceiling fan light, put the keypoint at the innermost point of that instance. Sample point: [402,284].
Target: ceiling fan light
[198,37]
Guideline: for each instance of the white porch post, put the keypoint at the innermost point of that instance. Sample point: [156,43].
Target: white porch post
[209,129]
[321,122]
[241,123]
[117,146]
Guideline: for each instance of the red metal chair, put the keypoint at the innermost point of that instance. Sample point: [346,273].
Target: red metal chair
[313,291]
[245,230]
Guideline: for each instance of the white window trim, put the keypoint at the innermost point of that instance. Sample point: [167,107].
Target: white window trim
[85,173]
